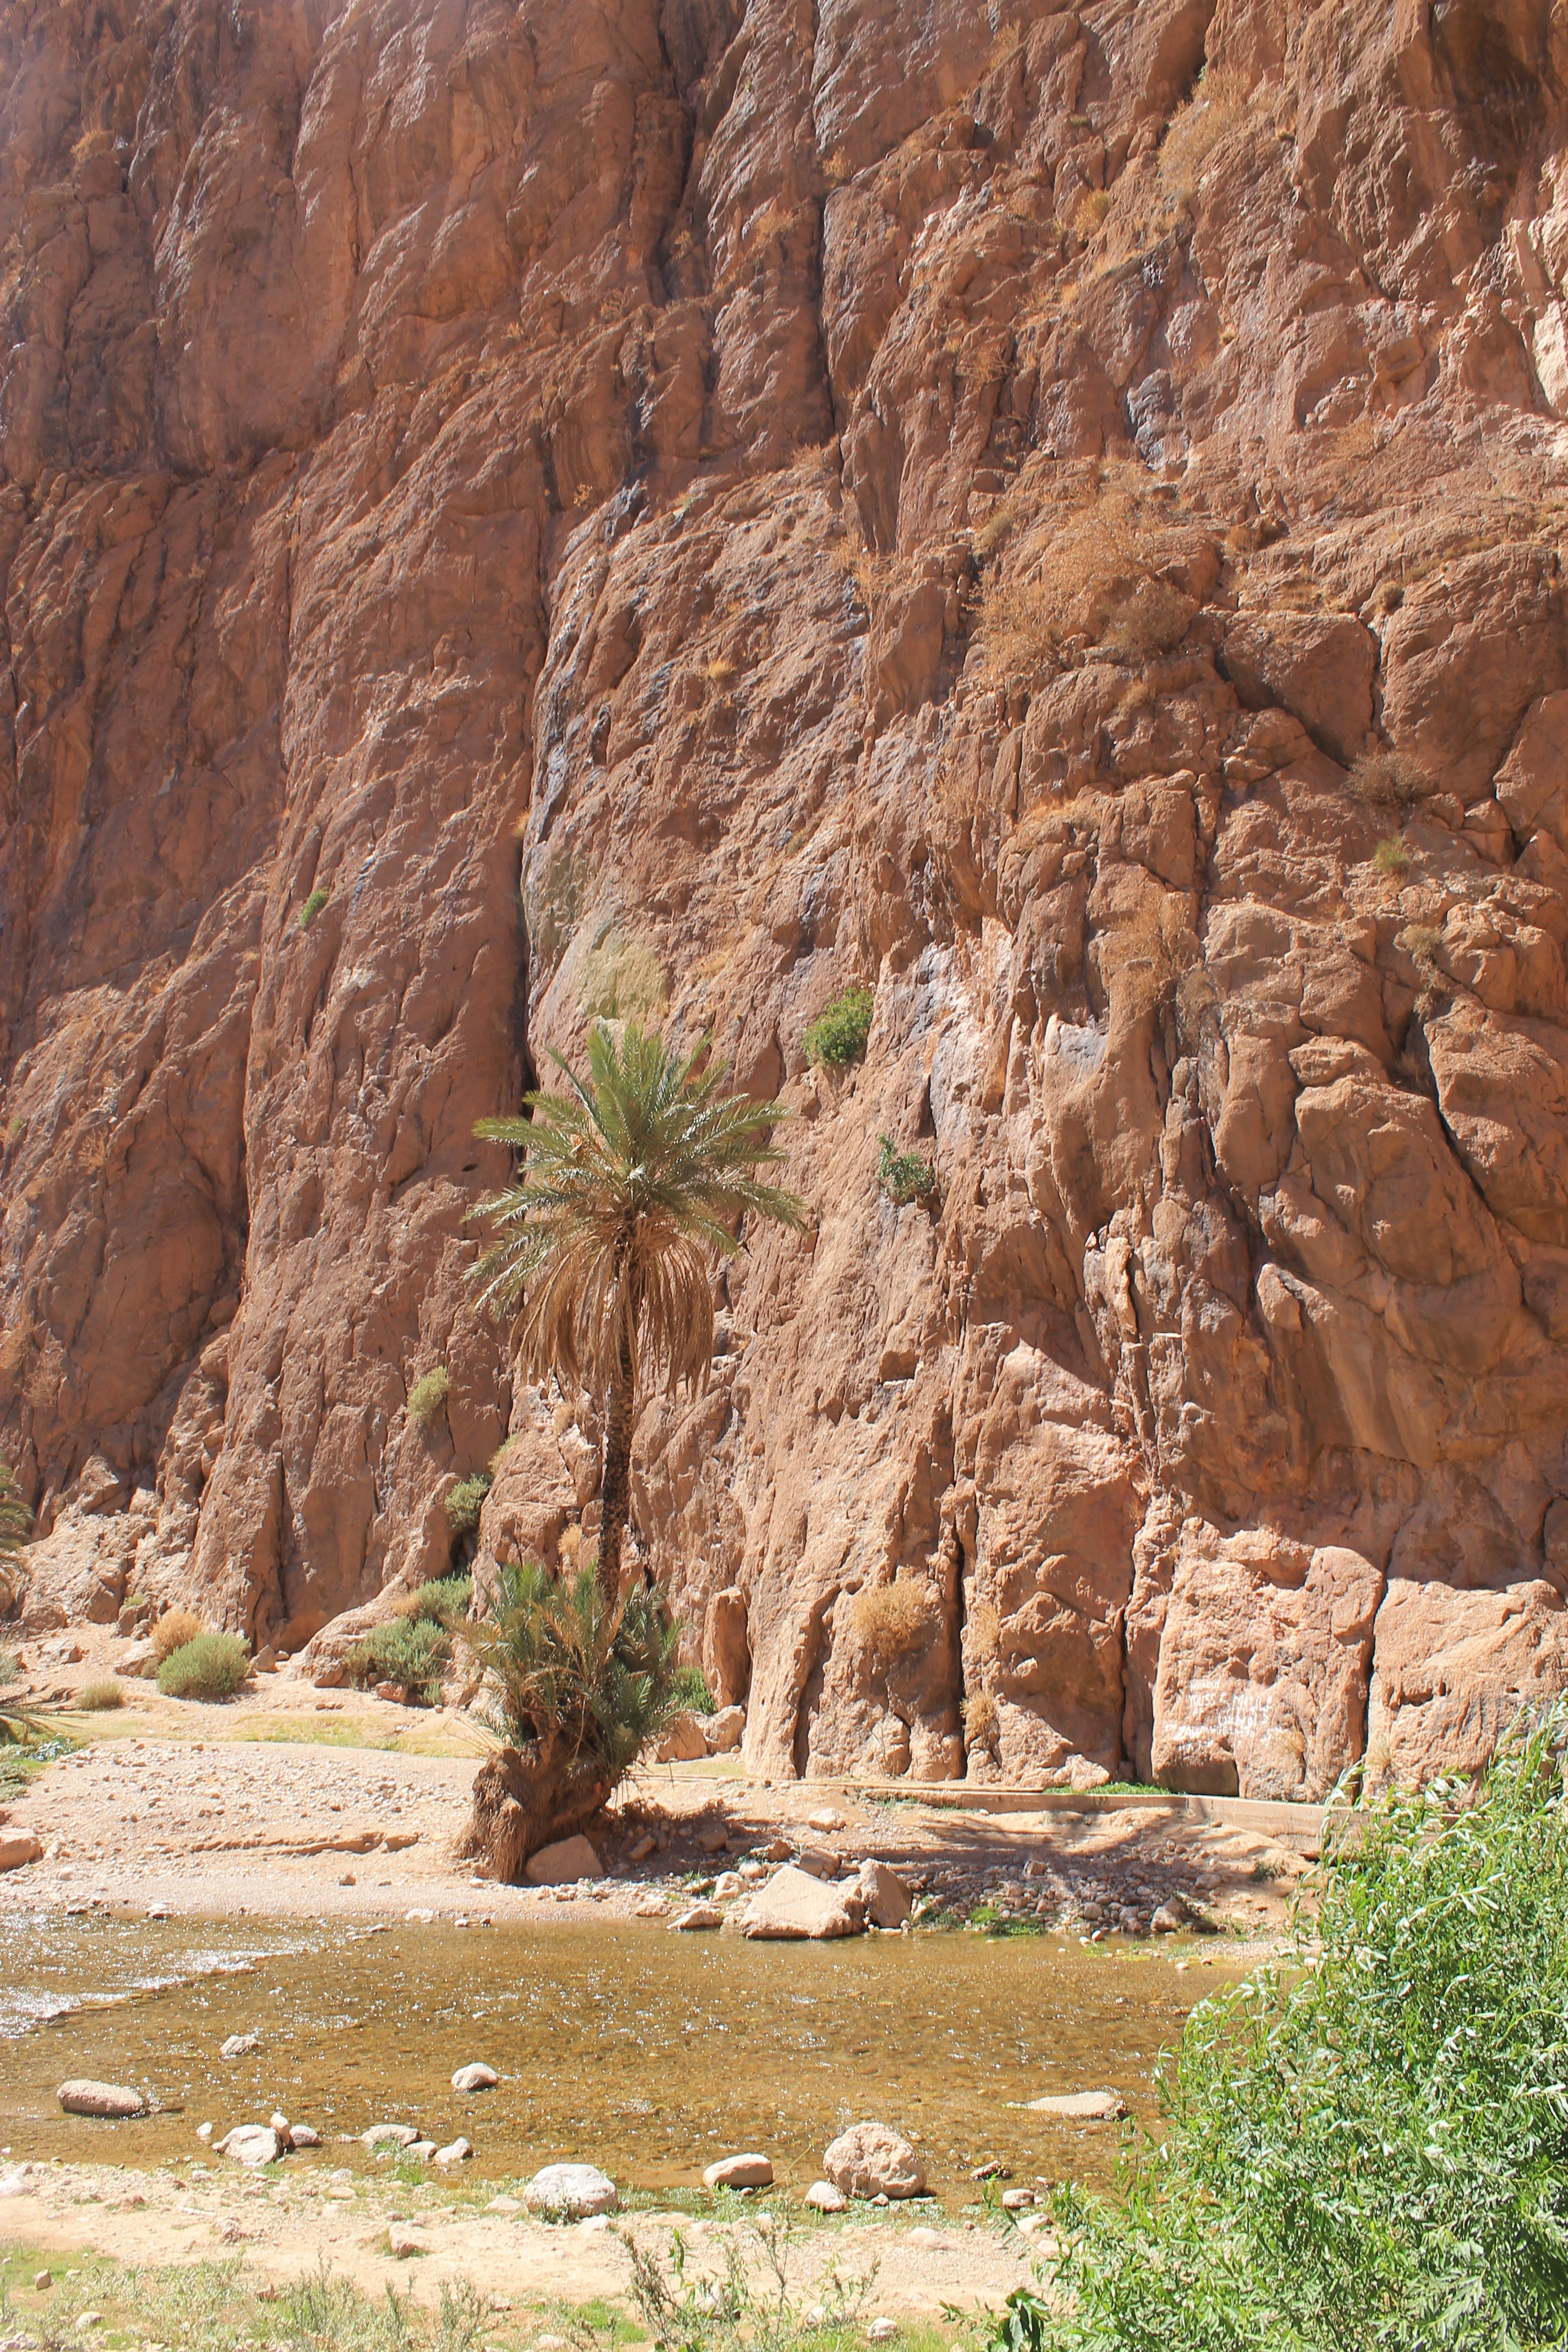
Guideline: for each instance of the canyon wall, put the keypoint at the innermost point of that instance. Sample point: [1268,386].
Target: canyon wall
[516,514]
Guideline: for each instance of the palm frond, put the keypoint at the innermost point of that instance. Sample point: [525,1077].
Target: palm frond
[561,1661]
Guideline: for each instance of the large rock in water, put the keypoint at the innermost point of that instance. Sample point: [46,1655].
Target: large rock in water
[886,471]
[794,1906]
[113,2101]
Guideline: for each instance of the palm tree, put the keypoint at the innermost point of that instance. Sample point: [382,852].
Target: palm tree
[631,1184]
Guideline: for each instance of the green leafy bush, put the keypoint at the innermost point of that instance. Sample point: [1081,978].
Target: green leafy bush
[839,1034]
[1367,2145]
[412,1652]
[688,1691]
[465,1501]
[443,1602]
[904,1176]
[313,908]
[213,1665]
[427,1397]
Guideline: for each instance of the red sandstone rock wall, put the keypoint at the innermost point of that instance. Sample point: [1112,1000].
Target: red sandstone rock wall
[682,508]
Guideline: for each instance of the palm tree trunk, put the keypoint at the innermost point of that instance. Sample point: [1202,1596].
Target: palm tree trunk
[615,1487]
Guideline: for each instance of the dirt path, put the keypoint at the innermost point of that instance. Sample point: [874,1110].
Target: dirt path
[285,2228]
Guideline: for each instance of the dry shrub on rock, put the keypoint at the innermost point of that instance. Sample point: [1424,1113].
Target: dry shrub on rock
[1388,780]
[891,1619]
[172,1630]
[1221,104]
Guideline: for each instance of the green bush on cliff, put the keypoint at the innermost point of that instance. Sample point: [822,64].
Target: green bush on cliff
[412,1652]
[213,1665]
[427,1397]
[465,1502]
[839,1034]
[1367,2146]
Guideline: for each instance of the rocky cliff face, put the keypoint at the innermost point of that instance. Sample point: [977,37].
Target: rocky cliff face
[515,513]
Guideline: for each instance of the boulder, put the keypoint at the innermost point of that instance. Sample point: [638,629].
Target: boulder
[726,1646]
[794,1906]
[457,2151]
[825,2199]
[724,1731]
[1167,1920]
[476,2077]
[1082,2107]
[739,2172]
[138,1660]
[883,1895]
[682,1743]
[251,2144]
[561,1866]
[305,2135]
[700,1916]
[113,2101]
[570,2193]
[18,1847]
[869,2160]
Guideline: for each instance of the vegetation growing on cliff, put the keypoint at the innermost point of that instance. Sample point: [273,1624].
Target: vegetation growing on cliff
[632,1180]
[1367,2146]
[427,1397]
[839,1034]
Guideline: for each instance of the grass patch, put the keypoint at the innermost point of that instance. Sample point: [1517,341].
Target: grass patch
[839,1035]
[622,980]
[212,1666]
[891,1619]
[1391,856]
[313,908]
[689,1692]
[466,1501]
[1388,780]
[427,1397]
[1365,2145]
[904,1176]
[100,1698]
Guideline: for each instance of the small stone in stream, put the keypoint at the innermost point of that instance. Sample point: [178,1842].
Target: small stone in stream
[240,2045]
[992,2170]
[651,1907]
[1167,1920]
[826,1821]
[570,2193]
[739,2172]
[646,1844]
[476,2077]
[700,1916]
[305,2135]
[204,2132]
[869,2161]
[568,1860]
[250,2144]
[112,2100]
[403,2238]
[1082,2107]
[389,2135]
[457,2151]
[420,2151]
[727,1885]
[281,2125]
[423,1918]
[1017,2201]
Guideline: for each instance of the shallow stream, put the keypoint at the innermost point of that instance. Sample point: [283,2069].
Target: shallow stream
[645,2052]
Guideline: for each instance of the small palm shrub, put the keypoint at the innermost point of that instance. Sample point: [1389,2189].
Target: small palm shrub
[99,1698]
[465,1501]
[172,1630]
[427,1397]
[578,1686]
[839,1035]
[904,1176]
[690,1694]
[213,1665]
[1365,2145]
[412,1652]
